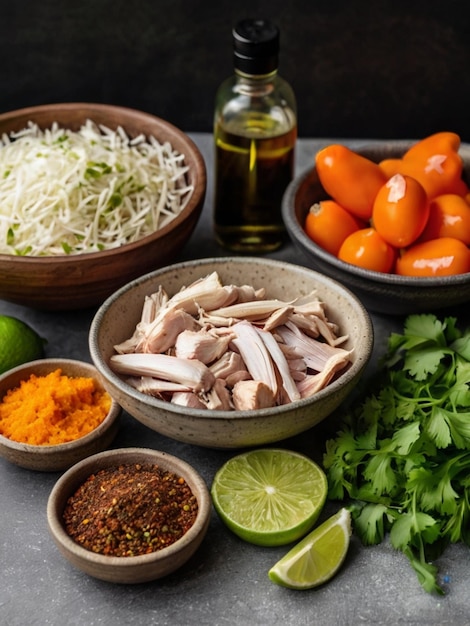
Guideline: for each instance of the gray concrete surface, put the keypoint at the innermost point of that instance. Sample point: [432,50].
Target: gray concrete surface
[226,582]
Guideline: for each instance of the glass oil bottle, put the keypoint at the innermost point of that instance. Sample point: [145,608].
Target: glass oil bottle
[255,131]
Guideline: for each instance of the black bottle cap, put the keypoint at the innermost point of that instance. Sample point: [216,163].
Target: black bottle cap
[256,46]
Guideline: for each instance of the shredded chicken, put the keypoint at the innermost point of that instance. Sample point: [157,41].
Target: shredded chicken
[190,373]
[188,399]
[226,347]
[228,364]
[249,395]
[203,345]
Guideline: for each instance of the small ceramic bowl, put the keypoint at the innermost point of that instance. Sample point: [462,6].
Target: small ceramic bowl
[117,318]
[54,458]
[380,292]
[128,569]
[69,282]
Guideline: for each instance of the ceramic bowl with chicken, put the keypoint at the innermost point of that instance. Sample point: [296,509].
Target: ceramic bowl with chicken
[231,352]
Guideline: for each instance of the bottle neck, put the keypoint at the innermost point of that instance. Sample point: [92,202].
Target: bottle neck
[255,78]
[254,85]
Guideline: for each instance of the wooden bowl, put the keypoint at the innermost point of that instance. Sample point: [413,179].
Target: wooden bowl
[128,569]
[84,280]
[380,292]
[116,320]
[54,458]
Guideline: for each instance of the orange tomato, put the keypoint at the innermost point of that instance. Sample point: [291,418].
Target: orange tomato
[349,178]
[367,249]
[439,173]
[437,257]
[438,143]
[449,216]
[390,167]
[400,211]
[328,225]
[460,188]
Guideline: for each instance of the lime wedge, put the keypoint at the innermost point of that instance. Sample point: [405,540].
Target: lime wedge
[269,497]
[317,558]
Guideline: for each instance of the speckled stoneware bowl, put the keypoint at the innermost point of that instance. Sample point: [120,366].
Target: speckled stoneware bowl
[132,569]
[117,318]
[383,293]
[70,282]
[54,458]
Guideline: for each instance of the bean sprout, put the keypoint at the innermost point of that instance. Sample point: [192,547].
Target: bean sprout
[66,192]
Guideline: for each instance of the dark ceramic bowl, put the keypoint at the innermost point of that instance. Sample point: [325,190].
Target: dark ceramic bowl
[128,569]
[84,280]
[383,293]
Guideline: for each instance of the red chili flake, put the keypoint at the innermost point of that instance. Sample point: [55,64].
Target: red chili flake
[130,510]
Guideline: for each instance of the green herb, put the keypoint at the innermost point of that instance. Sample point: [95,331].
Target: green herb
[10,236]
[97,170]
[402,454]
[115,200]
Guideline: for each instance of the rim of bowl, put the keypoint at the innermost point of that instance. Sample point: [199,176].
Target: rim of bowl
[213,414]
[192,149]
[299,234]
[111,458]
[52,449]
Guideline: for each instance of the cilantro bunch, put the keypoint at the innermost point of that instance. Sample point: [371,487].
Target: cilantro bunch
[402,454]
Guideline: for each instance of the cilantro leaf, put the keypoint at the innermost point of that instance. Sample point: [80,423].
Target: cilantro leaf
[433,489]
[411,525]
[370,523]
[426,572]
[462,346]
[423,362]
[422,328]
[405,437]
[437,428]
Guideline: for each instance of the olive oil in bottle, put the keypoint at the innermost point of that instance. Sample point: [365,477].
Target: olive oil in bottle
[255,130]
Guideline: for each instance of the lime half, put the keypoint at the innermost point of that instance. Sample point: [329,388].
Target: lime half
[317,558]
[19,343]
[269,497]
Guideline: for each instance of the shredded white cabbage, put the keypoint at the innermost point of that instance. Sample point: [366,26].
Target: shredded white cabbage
[65,192]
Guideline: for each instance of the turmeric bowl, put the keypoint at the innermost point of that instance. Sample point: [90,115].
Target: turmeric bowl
[27,449]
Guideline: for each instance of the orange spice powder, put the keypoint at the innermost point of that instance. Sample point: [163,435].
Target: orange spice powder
[52,409]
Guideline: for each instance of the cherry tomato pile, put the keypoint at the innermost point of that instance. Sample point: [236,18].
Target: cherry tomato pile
[408,215]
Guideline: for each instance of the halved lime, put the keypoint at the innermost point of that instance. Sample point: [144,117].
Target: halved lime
[269,497]
[317,558]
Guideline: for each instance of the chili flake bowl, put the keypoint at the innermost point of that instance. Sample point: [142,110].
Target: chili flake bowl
[57,457]
[128,569]
[73,281]
[117,318]
[380,292]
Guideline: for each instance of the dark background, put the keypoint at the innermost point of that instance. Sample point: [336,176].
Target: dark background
[382,69]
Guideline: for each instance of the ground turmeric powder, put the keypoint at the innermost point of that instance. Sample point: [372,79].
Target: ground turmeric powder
[52,409]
